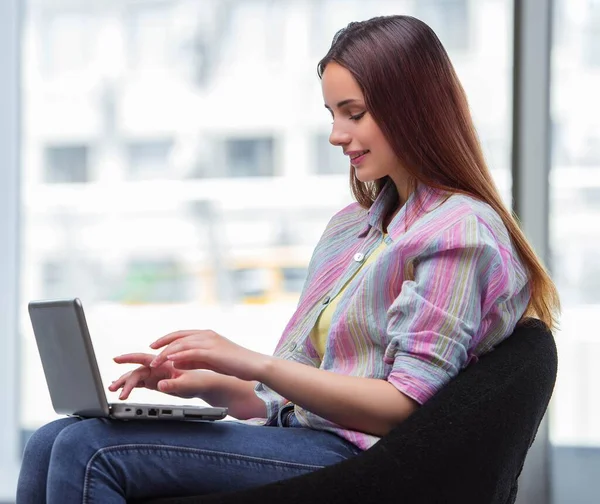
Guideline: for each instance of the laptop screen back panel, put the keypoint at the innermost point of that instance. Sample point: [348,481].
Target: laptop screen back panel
[68,358]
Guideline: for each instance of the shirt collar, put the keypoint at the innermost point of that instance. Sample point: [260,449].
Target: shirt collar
[421,199]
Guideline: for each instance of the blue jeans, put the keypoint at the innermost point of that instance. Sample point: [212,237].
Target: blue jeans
[109,461]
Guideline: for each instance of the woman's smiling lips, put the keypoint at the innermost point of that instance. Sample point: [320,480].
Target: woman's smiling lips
[356,157]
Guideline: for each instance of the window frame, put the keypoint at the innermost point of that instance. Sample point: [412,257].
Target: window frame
[532,44]
[10,218]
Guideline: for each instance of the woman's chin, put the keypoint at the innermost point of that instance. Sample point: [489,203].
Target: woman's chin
[364,176]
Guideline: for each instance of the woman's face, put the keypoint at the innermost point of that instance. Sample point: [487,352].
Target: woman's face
[354,130]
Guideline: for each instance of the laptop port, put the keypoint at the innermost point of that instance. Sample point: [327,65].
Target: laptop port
[138,412]
[166,412]
[152,412]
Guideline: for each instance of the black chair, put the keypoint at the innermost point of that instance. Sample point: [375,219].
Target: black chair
[465,445]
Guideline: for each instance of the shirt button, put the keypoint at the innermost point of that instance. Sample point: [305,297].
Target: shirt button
[292,347]
[359,257]
[326,300]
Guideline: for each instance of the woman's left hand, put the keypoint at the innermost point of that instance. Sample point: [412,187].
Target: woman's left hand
[208,350]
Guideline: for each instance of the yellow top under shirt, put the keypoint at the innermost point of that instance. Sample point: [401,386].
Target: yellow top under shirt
[319,334]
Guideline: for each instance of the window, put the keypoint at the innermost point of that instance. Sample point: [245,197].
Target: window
[575,245]
[329,159]
[234,157]
[149,159]
[189,171]
[252,284]
[293,279]
[67,164]
[249,157]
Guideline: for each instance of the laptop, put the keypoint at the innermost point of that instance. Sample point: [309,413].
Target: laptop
[72,373]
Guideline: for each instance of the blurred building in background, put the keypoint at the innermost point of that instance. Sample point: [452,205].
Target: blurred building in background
[176,153]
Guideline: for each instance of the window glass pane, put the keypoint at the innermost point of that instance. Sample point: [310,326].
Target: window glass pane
[149,159]
[176,167]
[293,279]
[252,284]
[249,157]
[575,248]
[66,164]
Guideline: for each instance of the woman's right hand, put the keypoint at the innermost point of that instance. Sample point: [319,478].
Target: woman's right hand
[164,378]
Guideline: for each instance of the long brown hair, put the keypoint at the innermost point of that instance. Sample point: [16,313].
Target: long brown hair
[416,99]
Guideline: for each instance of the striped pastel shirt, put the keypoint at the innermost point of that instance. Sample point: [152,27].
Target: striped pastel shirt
[448,287]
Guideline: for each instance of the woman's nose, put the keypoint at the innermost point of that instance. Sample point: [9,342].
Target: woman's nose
[338,137]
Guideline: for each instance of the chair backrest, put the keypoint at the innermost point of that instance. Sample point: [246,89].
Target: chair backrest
[471,439]
[467,444]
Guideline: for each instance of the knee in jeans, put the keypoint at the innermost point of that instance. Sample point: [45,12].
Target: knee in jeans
[76,439]
[43,438]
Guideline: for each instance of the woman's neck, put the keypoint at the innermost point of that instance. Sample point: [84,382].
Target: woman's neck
[390,217]
[402,181]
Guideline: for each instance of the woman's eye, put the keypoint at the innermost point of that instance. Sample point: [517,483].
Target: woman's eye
[356,117]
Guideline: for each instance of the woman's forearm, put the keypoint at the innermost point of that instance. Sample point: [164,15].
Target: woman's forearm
[230,392]
[363,404]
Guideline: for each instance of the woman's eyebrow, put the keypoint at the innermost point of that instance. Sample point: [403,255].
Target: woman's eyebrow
[343,102]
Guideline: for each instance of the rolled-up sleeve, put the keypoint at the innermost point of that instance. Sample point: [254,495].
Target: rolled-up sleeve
[273,402]
[433,321]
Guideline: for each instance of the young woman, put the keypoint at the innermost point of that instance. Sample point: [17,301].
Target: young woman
[426,272]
